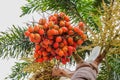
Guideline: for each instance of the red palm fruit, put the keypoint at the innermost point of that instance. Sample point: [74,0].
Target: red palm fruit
[56,27]
[30,29]
[37,37]
[80,32]
[79,42]
[32,39]
[65,42]
[66,54]
[46,42]
[65,49]
[54,32]
[50,42]
[56,45]
[61,53]
[57,50]
[41,31]
[45,58]
[44,53]
[76,29]
[27,33]
[40,60]
[84,37]
[70,27]
[39,52]
[32,36]
[81,25]
[37,46]
[58,39]
[67,59]
[56,14]
[36,28]
[48,49]
[50,37]
[75,45]
[62,23]
[53,53]
[63,60]
[70,40]
[58,57]
[70,48]
[70,32]
[67,24]
[45,26]
[62,45]
[60,31]
[49,33]
[36,55]
[64,29]
[42,21]
[62,14]
[53,18]
[51,24]
[66,18]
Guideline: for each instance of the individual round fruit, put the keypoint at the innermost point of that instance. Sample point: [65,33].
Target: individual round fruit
[30,29]
[27,33]
[58,39]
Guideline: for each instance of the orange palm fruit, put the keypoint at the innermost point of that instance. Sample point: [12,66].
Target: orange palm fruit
[65,49]
[37,36]
[56,27]
[84,37]
[36,28]
[81,24]
[62,14]
[70,27]
[79,42]
[37,46]
[56,45]
[58,39]
[64,29]
[42,21]
[27,33]
[66,18]
[65,42]
[62,23]
[53,18]
[70,40]
[45,26]
[45,58]
[61,53]
[76,29]
[32,36]
[41,31]
[67,24]
[30,29]
[61,44]
[44,53]
[36,55]
[60,31]
[50,24]
[40,60]
[70,32]
[48,49]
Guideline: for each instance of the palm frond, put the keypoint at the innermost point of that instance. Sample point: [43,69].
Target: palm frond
[14,44]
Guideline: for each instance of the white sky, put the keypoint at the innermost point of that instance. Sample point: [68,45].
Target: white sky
[9,15]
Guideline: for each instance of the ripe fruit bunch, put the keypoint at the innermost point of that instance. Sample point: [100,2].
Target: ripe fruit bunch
[55,38]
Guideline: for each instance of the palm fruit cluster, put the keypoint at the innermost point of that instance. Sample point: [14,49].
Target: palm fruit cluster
[55,38]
